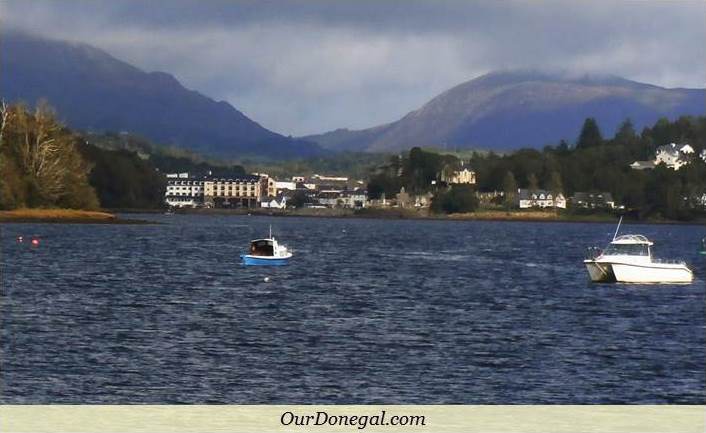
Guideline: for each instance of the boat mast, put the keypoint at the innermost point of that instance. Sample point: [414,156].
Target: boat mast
[618,228]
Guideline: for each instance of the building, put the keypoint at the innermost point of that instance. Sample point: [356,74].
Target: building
[464,176]
[285,186]
[268,185]
[329,179]
[673,155]
[184,190]
[349,199]
[539,199]
[355,199]
[274,203]
[592,200]
[236,191]
[642,165]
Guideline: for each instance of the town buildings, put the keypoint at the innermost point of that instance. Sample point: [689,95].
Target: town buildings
[261,190]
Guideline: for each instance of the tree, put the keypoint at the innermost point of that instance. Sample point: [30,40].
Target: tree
[509,189]
[626,133]
[590,135]
[299,199]
[457,199]
[532,182]
[41,164]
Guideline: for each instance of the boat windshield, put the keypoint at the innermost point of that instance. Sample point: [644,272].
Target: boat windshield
[262,248]
[627,250]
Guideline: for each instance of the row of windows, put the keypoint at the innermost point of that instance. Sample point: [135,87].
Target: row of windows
[187,194]
[184,182]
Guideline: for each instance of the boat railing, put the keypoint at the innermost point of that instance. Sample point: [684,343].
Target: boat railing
[593,253]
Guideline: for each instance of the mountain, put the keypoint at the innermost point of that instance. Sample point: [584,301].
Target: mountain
[512,109]
[91,90]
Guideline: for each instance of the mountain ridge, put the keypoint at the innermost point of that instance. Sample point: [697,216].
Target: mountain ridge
[93,90]
[511,109]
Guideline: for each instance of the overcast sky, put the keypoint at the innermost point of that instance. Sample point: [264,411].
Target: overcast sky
[300,67]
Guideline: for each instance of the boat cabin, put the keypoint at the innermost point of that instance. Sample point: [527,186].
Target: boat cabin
[262,247]
[629,245]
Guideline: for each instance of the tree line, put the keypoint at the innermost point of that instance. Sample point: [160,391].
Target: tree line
[598,164]
[592,164]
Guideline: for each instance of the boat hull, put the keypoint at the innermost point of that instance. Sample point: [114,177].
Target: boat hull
[649,273]
[264,260]
[600,272]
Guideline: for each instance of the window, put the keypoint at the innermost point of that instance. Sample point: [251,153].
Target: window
[627,250]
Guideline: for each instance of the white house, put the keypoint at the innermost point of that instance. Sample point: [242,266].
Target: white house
[539,198]
[272,203]
[673,156]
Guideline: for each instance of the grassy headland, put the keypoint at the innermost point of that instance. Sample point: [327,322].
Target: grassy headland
[72,216]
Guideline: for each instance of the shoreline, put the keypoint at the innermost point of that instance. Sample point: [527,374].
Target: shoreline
[412,214]
[64,216]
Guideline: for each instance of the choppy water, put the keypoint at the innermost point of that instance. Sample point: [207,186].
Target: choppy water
[368,311]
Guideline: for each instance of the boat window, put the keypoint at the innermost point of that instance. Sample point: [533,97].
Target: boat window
[627,250]
[261,248]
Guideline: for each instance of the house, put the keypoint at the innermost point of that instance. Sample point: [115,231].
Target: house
[355,199]
[539,198]
[673,156]
[592,200]
[273,203]
[350,199]
[642,165]
[464,176]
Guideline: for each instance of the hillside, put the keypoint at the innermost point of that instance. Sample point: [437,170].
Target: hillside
[94,91]
[513,109]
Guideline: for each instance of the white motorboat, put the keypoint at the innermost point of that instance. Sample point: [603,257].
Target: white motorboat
[628,259]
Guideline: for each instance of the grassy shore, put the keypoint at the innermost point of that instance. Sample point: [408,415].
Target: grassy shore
[73,216]
[547,215]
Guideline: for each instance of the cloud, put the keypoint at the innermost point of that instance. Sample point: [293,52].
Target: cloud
[301,67]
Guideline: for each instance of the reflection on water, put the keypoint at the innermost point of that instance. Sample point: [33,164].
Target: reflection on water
[368,311]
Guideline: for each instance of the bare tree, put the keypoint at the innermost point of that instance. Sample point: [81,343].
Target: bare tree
[4,117]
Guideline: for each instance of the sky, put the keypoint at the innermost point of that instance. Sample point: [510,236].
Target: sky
[308,66]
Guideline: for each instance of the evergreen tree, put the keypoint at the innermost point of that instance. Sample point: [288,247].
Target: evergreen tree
[590,135]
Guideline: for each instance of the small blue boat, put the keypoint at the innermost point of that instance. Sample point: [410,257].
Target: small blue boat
[267,252]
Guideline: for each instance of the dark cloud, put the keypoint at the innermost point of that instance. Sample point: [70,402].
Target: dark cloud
[304,66]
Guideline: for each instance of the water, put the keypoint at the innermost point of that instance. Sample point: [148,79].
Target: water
[368,311]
